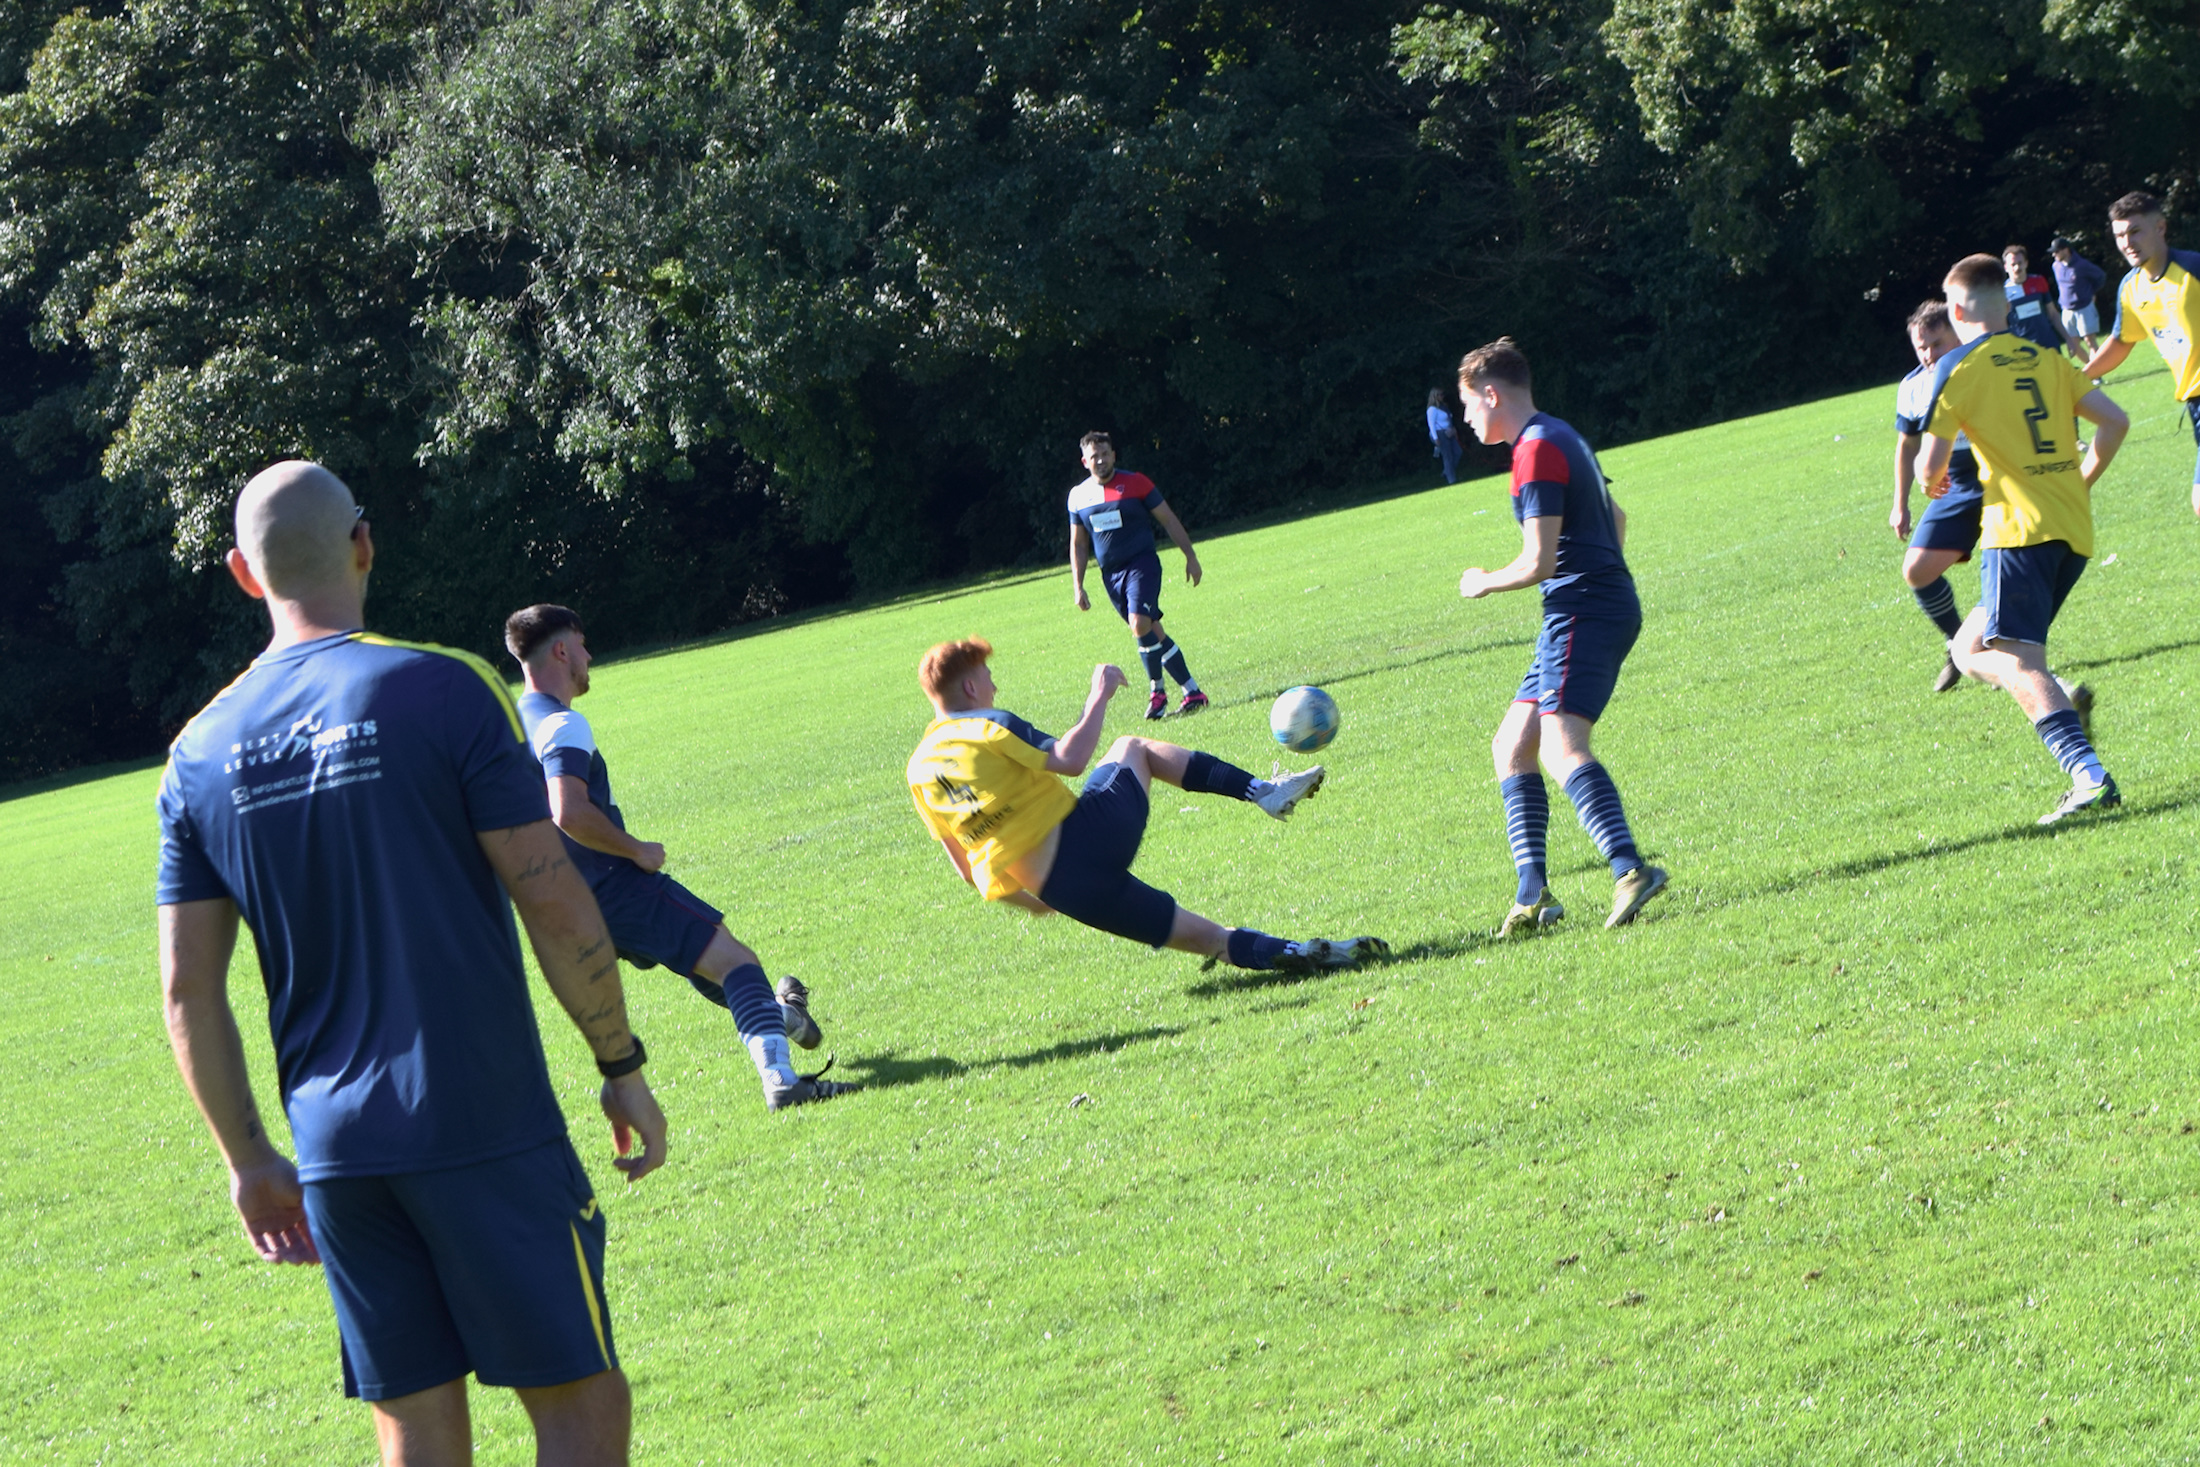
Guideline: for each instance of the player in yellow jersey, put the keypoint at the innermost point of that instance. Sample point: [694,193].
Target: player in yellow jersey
[2017,403]
[2159,298]
[985,783]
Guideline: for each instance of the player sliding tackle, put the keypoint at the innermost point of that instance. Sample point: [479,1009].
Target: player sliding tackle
[2017,403]
[985,783]
[1571,530]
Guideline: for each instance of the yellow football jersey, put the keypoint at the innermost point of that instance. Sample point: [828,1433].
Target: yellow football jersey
[980,779]
[2017,403]
[2168,310]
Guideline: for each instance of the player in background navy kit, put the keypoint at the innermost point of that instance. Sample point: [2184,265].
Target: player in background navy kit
[653,919]
[1948,532]
[365,806]
[1571,534]
[1112,515]
[2033,313]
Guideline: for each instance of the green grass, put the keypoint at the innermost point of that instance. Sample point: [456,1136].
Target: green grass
[1873,1141]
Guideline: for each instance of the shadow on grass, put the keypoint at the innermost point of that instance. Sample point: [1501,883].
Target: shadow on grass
[885,1069]
[2139,656]
[1243,980]
[1895,860]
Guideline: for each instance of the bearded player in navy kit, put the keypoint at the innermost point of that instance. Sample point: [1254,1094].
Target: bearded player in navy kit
[1571,533]
[1112,514]
[653,919]
[365,806]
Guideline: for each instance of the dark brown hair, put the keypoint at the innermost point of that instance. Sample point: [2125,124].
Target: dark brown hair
[1500,361]
[2134,204]
[1932,315]
[529,629]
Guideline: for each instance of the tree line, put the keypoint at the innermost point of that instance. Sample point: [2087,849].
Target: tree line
[691,313]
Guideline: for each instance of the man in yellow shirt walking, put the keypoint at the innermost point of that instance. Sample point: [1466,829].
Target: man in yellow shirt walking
[2018,404]
[2160,298]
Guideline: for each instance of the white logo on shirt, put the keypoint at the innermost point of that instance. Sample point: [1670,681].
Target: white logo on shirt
[337,751]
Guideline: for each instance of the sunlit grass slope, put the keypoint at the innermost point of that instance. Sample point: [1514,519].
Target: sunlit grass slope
[1873,1141]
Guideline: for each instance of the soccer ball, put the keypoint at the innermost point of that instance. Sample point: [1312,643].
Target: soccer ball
[1303,720]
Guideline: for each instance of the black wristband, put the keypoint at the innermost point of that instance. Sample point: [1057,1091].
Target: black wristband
[613,1069]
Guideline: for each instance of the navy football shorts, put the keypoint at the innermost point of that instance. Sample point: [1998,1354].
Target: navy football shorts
[1135,590]
[2023,587]
[1951,522]
[1091,880]
[2192,410]
[494,1268]
[654,919]
[1577,661]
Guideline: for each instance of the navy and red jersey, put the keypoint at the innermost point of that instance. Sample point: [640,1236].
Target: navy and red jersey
[1555,473]
[1118,515]
[334,792]
[2031,311]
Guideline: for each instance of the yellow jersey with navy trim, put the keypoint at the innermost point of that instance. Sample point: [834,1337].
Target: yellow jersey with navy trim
[2167,309]
[979,778]
[2017,403]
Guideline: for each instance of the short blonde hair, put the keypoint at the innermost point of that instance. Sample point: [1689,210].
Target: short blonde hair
[949,663]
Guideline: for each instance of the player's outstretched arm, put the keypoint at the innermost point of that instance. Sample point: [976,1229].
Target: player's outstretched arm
[2110,424]
[1905,470]
[2108,358]
[1080,551]
[1073,750]
[1619,528]
[567,932]
[1168,521]
[1536,563]
[196,940]
[578,817]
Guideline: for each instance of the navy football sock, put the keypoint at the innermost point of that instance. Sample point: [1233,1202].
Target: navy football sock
[1149,653]
[1527,824]
[2065,739]
[1256,950]
[1172,658]
[1204,774]
[1596,801]
[1939,602]
[755,1007]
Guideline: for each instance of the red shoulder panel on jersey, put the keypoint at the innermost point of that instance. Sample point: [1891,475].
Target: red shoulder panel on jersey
[1126,485]
[1539,461]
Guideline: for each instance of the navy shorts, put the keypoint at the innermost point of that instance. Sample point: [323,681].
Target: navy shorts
[2023,587]
[654,919]
[1951,522]
[1091,880]
[494,1268]
[1577,660]
[1135,590]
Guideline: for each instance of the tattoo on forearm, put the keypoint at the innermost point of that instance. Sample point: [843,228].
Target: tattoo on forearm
[592,949]
[606,971]
[537,866]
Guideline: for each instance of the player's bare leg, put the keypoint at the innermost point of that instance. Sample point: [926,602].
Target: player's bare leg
[1188,769]
[430,1428]
[1921,569]
[2020,670]
[583,1423]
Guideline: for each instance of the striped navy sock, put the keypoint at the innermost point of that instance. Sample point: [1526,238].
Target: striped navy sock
[2065,739]
[755,1007]
[1256,950]
[1527,823]
[1204,774]
[1596,801]
[1938,599]
[1149,653]
[1172,658]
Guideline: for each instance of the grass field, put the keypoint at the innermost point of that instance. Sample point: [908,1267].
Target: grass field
[1874,1140]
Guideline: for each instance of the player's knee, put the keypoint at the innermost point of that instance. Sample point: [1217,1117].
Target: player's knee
[1129,749]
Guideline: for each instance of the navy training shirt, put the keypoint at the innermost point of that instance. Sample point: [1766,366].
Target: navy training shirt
[333,792]
[2029,308]
[563,741]
[1118,515]
[1913,408]
[1555,473]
